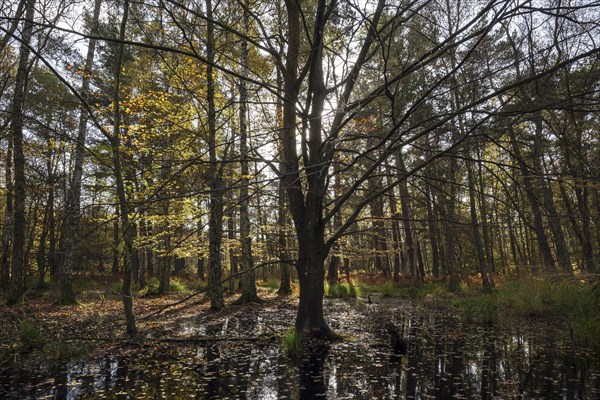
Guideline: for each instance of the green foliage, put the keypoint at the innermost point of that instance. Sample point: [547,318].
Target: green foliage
[84,284]
[59,349]
[478,308]
[386,289]
[271,284]
[178,286]
[30,336]
[116,288]
[572,301]
[292,342]
[342,291]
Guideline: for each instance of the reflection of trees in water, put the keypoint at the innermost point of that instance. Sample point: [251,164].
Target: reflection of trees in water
[311,378]
[489,371]
[211,370]
[446,359]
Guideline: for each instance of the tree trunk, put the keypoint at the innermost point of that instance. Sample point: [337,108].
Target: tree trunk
[335,259]
[451,264]
[116,240]
[562,250]
[406,223]
[115,142]
[248,279]
[477,242]
[164,278]
[395,231]
[488,241]
[8,227]
[41,251]
[538,224]
[233,257]
[17,283]
[215,224]
[285,286]
[200,263]
[311,270]
[70,227]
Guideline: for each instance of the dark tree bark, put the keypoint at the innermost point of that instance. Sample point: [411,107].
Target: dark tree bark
[215,224]
[17,282]
[285,286]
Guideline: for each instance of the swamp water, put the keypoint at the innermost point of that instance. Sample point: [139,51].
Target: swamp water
[447,358]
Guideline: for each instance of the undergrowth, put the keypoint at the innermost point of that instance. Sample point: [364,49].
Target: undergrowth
[342,291]
[31,339]
[575,302]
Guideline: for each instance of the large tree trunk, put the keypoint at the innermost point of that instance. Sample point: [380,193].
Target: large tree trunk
[17,283]
[285,286]
[70,227]
[215,224]
[311,269]
[115,141]
[248,279]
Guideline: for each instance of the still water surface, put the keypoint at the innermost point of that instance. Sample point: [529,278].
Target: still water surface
[447,358]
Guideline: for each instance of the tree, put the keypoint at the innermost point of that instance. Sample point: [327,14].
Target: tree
[70,227]
[124,207]
[17,285]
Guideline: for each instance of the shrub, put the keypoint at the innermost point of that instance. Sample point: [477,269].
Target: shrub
[30,336]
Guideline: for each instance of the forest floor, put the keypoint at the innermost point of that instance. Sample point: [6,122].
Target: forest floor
[38,328]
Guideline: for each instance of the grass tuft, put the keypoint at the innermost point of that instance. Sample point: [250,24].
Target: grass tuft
[292,342]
